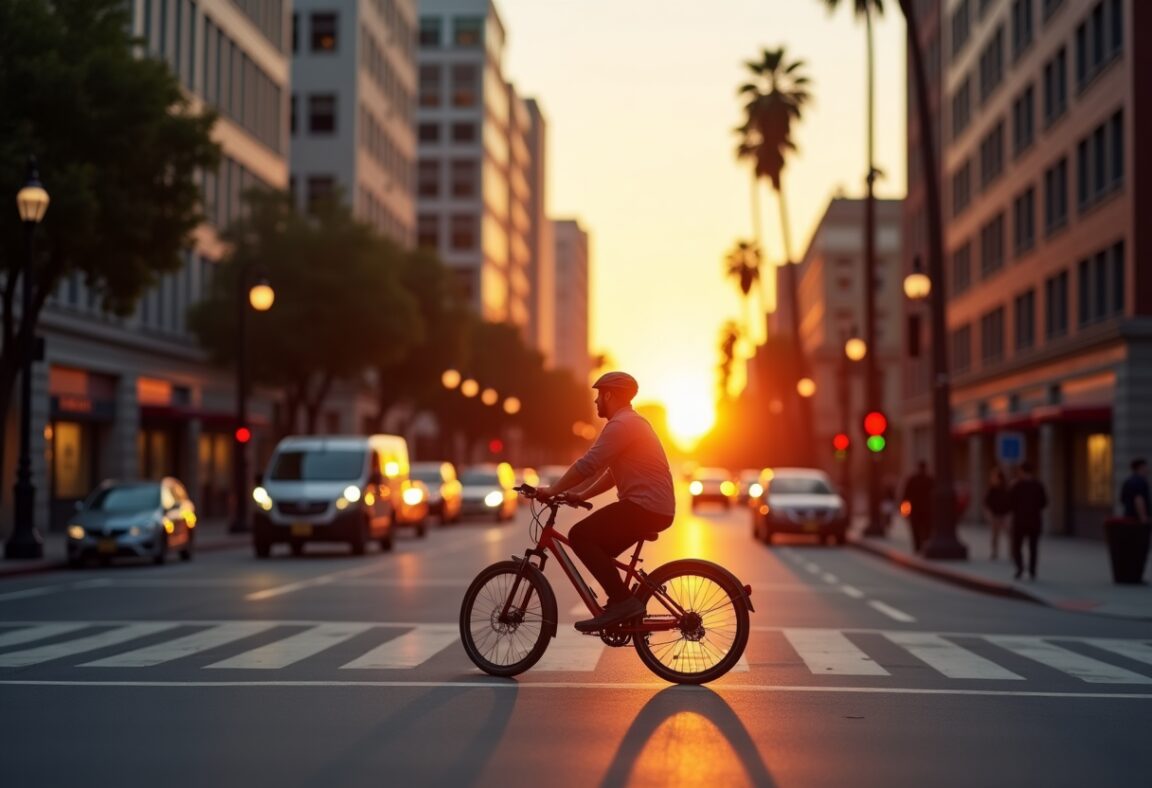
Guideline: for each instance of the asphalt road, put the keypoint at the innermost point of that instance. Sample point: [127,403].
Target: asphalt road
[330,670]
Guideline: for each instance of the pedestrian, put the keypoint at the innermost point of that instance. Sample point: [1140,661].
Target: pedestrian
[918,496]
[1135,495]
[1027,499]
[997,508]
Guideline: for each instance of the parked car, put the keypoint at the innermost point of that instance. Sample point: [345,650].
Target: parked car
[487,490]
[141,519]
[711,485]
[444,491]
[340,488]
[799,501]
[747,485]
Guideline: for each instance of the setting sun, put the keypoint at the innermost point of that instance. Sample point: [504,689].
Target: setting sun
[691,413]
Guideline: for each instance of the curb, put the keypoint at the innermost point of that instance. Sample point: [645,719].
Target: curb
[54,564]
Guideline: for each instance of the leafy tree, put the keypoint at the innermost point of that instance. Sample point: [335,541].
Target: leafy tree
[742,263]
[119,147]
[340,304]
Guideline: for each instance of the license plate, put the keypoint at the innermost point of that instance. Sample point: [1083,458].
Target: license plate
[106,546]
[810,527]
[301,529]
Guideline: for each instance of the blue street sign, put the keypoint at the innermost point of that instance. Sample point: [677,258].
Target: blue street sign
[1010,447]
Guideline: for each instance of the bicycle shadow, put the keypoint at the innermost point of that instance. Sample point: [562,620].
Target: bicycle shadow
[683,730]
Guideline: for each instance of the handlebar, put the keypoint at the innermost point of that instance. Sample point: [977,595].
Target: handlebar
[528,491]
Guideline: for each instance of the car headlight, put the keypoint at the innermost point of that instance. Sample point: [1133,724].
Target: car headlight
[696,487]
[755,491]
[413,496]
[352,493]
[75,532]
[262,499]
[493,499]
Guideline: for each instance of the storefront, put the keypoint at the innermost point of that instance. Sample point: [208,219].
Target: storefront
[77,435]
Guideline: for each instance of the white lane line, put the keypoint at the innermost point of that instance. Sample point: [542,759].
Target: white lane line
[284,652]
[319,580]
[813,568]
[830,578]
[408,650]
[1065,661]
[148,656]
[30,592]
[570,650]
[891,612]
[68,648]
[1141,652]
[827,651]
[593,685]
[852,591]
[948,658]
[37,632]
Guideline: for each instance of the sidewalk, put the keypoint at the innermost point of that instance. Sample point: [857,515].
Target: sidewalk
[1072,574]
[211,534]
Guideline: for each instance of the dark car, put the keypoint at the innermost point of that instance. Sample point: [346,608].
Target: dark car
[138,519]
[444,496]
[711,485]
[799,501]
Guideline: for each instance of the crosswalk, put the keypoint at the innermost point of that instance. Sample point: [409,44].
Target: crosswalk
[351,647]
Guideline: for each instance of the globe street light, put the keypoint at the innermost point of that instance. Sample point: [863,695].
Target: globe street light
[806,387]
[450,379]
[855,349]
[489,396]
[469,388]
[256,294]
[512,406]
[25,541]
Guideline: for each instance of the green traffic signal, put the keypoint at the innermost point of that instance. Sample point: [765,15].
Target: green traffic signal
[876,443]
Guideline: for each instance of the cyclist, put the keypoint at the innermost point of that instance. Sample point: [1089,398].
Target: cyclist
[626,455]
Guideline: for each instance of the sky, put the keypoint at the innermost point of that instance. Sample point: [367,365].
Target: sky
[641,99]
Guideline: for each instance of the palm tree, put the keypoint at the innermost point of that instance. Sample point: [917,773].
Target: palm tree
[773,100]
[742,263]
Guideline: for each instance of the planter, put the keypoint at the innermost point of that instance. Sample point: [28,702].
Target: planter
[1127,548]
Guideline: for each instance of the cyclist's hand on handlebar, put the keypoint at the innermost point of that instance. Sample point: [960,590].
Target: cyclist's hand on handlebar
[543,492]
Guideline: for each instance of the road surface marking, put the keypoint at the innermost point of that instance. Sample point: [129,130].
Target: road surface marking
[1083,668]
[813,568]
[70,648]
[827,651]
[408,650]
[570,650]
[159,653]
[1141,652]
[948,658]
[830,578]
[30,592]
[319,580]
[293,648]
[37,632]
[852,591]
[891,612]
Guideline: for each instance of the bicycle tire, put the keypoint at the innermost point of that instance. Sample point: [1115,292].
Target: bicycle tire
[507,649]
[718,634]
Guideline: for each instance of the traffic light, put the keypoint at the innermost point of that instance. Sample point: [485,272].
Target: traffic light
[875,424]
[841,442]
[243,434]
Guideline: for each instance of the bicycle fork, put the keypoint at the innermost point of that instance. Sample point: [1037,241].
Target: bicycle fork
[514,614]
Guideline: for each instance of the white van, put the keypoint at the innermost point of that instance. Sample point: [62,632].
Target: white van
[341,488]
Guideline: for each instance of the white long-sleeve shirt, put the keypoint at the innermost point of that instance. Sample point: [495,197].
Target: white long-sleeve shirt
[629,448]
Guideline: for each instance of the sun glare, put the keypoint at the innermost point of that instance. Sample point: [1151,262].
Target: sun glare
[691,414]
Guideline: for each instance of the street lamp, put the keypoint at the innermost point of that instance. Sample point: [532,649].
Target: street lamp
[512,406]
[258,295]
[489,397]
[469,388]
[806,387]
[855,349]
[943,542]
[450,379]
[25,541]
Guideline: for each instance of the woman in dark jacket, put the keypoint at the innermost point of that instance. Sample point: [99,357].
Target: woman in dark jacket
[997,507]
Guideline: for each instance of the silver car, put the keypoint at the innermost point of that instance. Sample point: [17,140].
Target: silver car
[138,519]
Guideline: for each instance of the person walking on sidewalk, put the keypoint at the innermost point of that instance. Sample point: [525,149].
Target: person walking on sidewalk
[1027,499]
[918,494]
[1135,495]
[997,507]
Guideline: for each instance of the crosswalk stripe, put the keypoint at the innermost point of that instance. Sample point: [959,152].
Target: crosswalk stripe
[407,651]
[1083,668]
[68,648]
[948,658]
[37,632]
[1141,652]
[294,648]
[570,650]
[827,651]
[182,647]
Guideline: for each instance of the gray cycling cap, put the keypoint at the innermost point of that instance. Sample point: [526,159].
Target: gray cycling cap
[621,381]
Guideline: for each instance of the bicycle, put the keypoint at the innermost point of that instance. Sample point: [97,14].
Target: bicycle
[694,629]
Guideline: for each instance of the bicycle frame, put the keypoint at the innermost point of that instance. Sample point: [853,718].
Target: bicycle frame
[554,542]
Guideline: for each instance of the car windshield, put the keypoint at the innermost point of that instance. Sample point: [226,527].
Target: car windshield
[799,486]
[127,498]
[318,465]
[426,474]
[480,477]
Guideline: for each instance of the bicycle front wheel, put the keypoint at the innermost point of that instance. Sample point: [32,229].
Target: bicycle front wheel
[507,643]
[711,631]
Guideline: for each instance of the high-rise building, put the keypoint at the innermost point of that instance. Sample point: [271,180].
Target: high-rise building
[352,109]
[541,247]
[1049,311]
[572,298]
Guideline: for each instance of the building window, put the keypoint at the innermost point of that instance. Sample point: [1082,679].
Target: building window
[295,32]
[320,189]
[322,113]
[430,31]
[962,188]
[1100,285]
[468,31]
[464,132]
[462,232]
[1023,121]
[992,246]
[962,268]
[1099,490]
[1056,305]
[1022,27]
[429,86]
[428,231]
[962,349]
[1049,7]
[961,27]
[465,177]
[992,65]
[1055,86]
[323,32]
[1025,320]
[429,132]
[1056,196]
[1099,39]
[962,107]
[428,178]
[1024,222]
[1118,278]
[992,155]
[1100,162]
[292,116]
[465,88]
[992,336]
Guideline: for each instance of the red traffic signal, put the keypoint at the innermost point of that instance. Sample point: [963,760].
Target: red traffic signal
[875,423]
[243,434]
[841,441]
[495,445]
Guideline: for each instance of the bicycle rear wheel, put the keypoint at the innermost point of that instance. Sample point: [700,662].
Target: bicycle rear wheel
[508,646]
[711,633]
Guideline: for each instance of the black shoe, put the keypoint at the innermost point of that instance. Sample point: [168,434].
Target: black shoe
[613,614]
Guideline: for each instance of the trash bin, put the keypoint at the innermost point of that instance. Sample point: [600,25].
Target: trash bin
[1128,548]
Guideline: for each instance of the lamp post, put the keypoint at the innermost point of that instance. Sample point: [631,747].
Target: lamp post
[257,295]
[855,350]
[943,542]
[25,541]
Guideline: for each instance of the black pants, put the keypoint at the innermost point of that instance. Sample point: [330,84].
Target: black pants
[1018,537]
[604,534]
